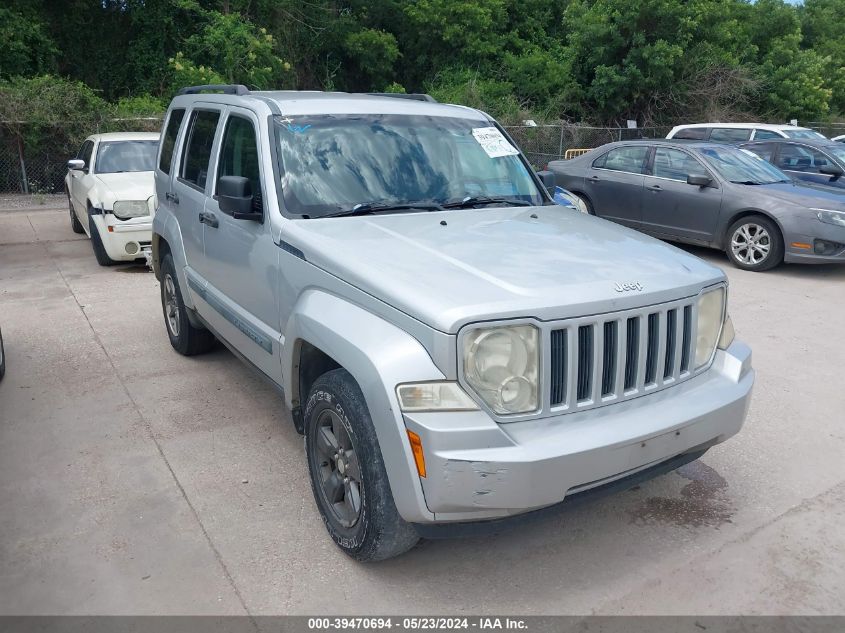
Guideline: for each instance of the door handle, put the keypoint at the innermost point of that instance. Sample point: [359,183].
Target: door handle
[172,197]
[654,188]
[593,179]
[209,219]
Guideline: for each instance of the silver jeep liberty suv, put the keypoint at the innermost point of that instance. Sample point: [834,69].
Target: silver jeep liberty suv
[455,348]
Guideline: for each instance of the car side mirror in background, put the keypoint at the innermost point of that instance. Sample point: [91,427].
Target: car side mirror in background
[76,164]
[831,170]
[547,177]
[699,180]
[234,195]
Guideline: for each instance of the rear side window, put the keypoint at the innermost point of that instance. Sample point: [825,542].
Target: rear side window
[197,152]
[766,134]
[629,159]
[692,133]
[730,134]
[169,140]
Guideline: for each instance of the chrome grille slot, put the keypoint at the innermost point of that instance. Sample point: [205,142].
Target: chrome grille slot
[669,360]
[597,360]
[608,375]
[558,366]
[631,349]
[651,348]
[585,361]
[685,345]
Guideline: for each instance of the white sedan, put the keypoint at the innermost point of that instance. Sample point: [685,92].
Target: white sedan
[110,192]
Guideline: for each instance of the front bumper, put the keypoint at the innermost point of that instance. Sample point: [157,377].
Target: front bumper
[803,235]
[478,469]
[125,240]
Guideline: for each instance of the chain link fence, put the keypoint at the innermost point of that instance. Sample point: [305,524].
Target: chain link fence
[544,143]
[34,160]
[829,129]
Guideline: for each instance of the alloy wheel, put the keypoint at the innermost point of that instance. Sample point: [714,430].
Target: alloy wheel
[171,306]
[751,244]
[339,473]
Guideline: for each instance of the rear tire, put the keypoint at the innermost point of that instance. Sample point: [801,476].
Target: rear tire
[754,243]
[100,253]
[75,224]
[348,476]
[184,337]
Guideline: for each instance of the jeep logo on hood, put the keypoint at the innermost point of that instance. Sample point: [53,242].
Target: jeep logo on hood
[628,287]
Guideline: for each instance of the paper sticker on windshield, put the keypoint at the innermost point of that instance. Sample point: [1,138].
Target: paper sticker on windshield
[492,142]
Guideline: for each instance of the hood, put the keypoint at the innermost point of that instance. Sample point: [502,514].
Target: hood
[803,195]
[455,267]
[135,185]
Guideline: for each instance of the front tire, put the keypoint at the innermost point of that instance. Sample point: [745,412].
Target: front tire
[754,243]
[100,253]
[348,476]
[75,224]
[184,337]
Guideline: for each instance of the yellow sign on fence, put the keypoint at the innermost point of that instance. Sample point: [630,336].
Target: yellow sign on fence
[572,153]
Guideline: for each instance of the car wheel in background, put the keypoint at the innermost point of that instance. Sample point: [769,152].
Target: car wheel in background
[348,477]
[100,253]
[185,338]
[755,243]
[75,224]
[585,206]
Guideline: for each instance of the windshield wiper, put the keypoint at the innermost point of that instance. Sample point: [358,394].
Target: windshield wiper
[746,182]
[368,208]
[472,201]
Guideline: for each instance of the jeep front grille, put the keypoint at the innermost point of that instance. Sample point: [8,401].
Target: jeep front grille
[613,357]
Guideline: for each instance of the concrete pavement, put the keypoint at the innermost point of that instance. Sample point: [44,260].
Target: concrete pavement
[133,480]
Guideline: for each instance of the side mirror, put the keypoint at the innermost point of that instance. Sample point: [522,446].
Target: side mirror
[76,164]
[234,195]
[831,170]
[547,177]
[699,180]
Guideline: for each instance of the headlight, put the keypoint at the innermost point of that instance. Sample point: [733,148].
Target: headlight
[434,396]
[711,312]
[502,366]
[830,217]
[728,334]
[125,209]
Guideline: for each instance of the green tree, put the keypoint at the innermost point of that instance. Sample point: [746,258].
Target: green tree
[27,49]
[232,47]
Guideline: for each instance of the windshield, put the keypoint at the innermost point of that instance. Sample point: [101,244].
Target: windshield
[838,152]
[114,157]
[332,164]
[741,166]
[804,134]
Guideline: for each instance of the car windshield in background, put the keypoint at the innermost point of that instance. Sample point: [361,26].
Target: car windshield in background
[804,134]
[741,166]
[114,157]
[335,164]
[838,152]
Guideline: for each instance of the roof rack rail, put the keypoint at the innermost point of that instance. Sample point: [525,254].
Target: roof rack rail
[228,89]
[404,95]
